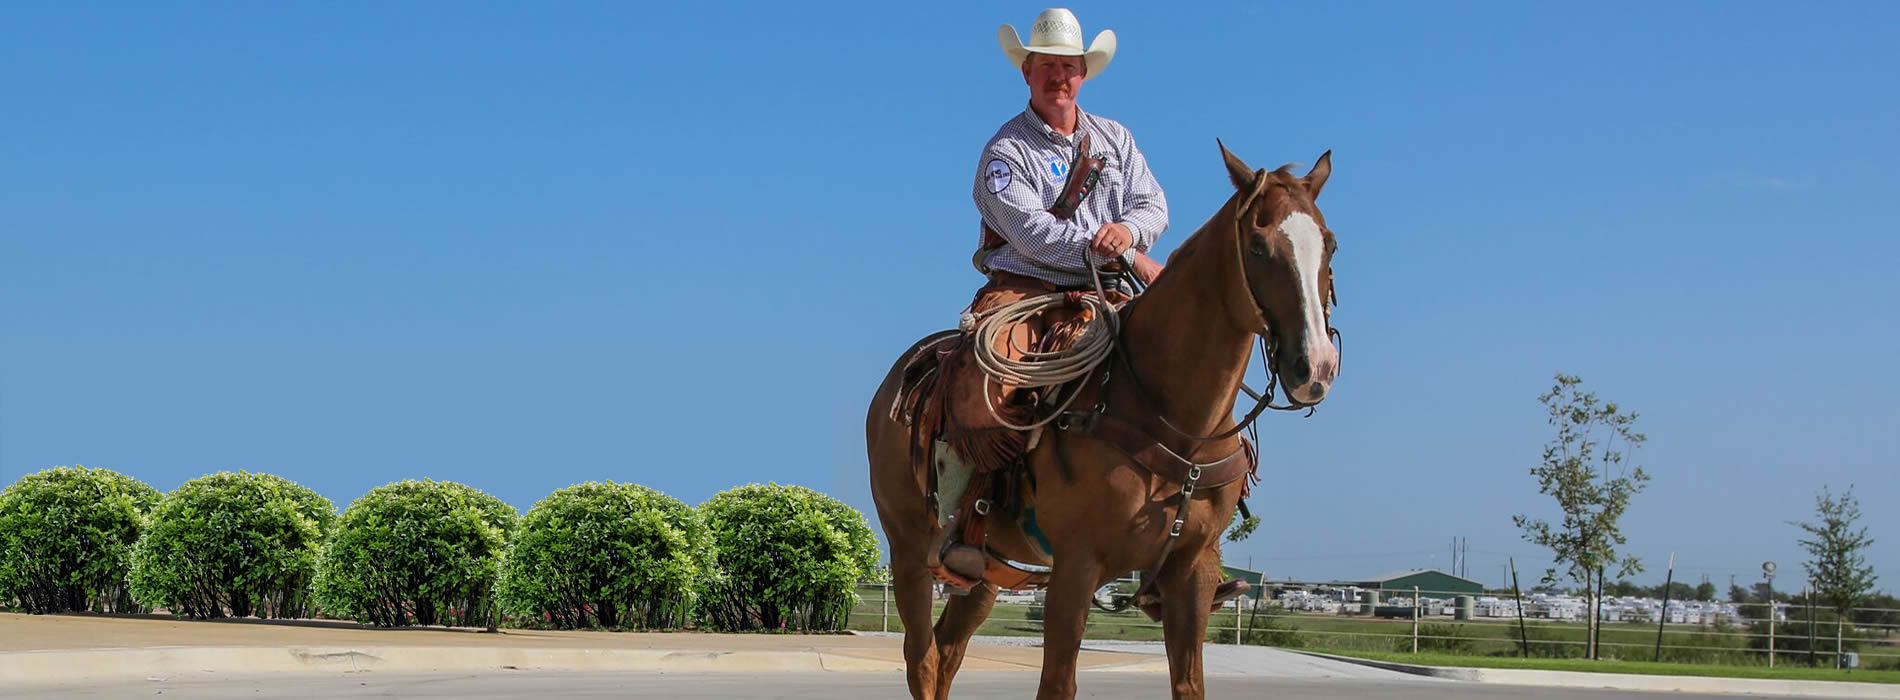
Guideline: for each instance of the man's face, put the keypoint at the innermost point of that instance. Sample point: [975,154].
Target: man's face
[1053,80]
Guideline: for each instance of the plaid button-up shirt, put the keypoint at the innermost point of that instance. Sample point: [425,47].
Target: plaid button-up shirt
[1024,168]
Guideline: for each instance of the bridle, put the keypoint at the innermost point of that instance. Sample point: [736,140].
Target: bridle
[1262,400]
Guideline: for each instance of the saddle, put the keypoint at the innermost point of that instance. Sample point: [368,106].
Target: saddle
[943,399]
[928,403]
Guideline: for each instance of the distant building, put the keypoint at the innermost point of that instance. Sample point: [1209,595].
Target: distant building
[1253,578]
[1431,583]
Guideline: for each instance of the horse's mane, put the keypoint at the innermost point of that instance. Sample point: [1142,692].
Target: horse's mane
[1282,200]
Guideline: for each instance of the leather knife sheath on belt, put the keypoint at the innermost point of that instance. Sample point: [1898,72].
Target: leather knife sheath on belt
[1085,171]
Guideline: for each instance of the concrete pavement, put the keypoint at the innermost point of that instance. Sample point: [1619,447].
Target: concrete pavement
[786,686]
[34,646]
[66,655]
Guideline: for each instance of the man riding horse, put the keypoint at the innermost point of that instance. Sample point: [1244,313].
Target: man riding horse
[1065,434]
[1059,191]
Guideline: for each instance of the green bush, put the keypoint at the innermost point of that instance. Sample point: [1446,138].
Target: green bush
[1557,642]
[1713,644]
[232,543]
[1266,628]
[787,557]
[1446,639]
[607,555]
[422,550]
[66,537]
[1791,636]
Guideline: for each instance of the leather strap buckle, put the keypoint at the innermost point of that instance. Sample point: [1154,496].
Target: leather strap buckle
[1082,421]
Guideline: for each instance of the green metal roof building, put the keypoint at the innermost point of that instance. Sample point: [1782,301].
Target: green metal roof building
[1253,578]
[1431,583]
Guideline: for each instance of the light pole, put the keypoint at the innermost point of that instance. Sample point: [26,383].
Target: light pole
[1768,572]
[1807,594]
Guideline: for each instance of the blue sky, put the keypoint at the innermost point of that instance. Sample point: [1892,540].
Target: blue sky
[523,247]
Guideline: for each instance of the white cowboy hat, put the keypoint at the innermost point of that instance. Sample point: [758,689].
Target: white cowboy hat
[1056,32]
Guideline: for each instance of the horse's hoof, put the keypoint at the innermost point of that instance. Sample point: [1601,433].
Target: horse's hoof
[1153,611]
[1230,589]
[1150,605]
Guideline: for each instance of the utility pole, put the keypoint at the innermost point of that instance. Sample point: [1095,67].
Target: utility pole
[1664,616]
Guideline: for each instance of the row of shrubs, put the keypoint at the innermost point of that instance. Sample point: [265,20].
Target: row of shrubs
[599,554]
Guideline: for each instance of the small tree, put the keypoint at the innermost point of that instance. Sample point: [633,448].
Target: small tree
[1675,591]
[1878,609]
[1838,571]
[786,557]
[1705,591]
[66,537]
[1242,528]
[1592,483]
[422,550]
[233,544]
[607,555]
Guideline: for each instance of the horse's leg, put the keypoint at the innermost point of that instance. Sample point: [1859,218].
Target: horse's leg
[911,586]
[960,619]
[1187,591]
[1065,612]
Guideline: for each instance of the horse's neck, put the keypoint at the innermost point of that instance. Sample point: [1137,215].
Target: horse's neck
[1181,339]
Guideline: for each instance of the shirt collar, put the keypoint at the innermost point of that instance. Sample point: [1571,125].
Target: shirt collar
[1035,120]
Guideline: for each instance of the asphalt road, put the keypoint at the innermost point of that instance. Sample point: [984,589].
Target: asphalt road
[829,686]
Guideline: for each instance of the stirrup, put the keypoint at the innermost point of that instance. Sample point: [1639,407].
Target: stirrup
[947,543]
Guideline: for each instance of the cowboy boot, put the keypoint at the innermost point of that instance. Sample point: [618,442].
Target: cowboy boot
[954,562]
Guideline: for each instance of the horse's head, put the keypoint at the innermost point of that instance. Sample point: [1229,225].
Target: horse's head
[1286,261]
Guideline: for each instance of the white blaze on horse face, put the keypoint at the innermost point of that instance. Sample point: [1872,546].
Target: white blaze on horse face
[1309,250]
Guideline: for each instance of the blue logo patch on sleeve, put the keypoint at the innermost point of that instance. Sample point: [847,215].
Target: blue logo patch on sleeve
[996,175]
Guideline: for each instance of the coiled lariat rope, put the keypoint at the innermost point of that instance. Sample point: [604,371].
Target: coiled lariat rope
[1043,369]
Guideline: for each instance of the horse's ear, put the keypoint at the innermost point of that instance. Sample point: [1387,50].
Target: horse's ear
[1236,170]
[1316,178]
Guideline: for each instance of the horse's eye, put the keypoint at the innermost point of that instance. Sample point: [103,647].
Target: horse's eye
[1257,247]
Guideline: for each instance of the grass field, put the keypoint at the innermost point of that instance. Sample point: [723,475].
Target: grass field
[1790,672]
[1482,639]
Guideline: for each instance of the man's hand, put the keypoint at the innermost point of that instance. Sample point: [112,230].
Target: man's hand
[1112,239]
[1146,269]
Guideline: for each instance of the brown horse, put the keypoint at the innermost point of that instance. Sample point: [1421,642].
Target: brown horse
[1261,266]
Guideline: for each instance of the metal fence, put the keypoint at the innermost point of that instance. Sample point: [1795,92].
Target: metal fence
[1332,617]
